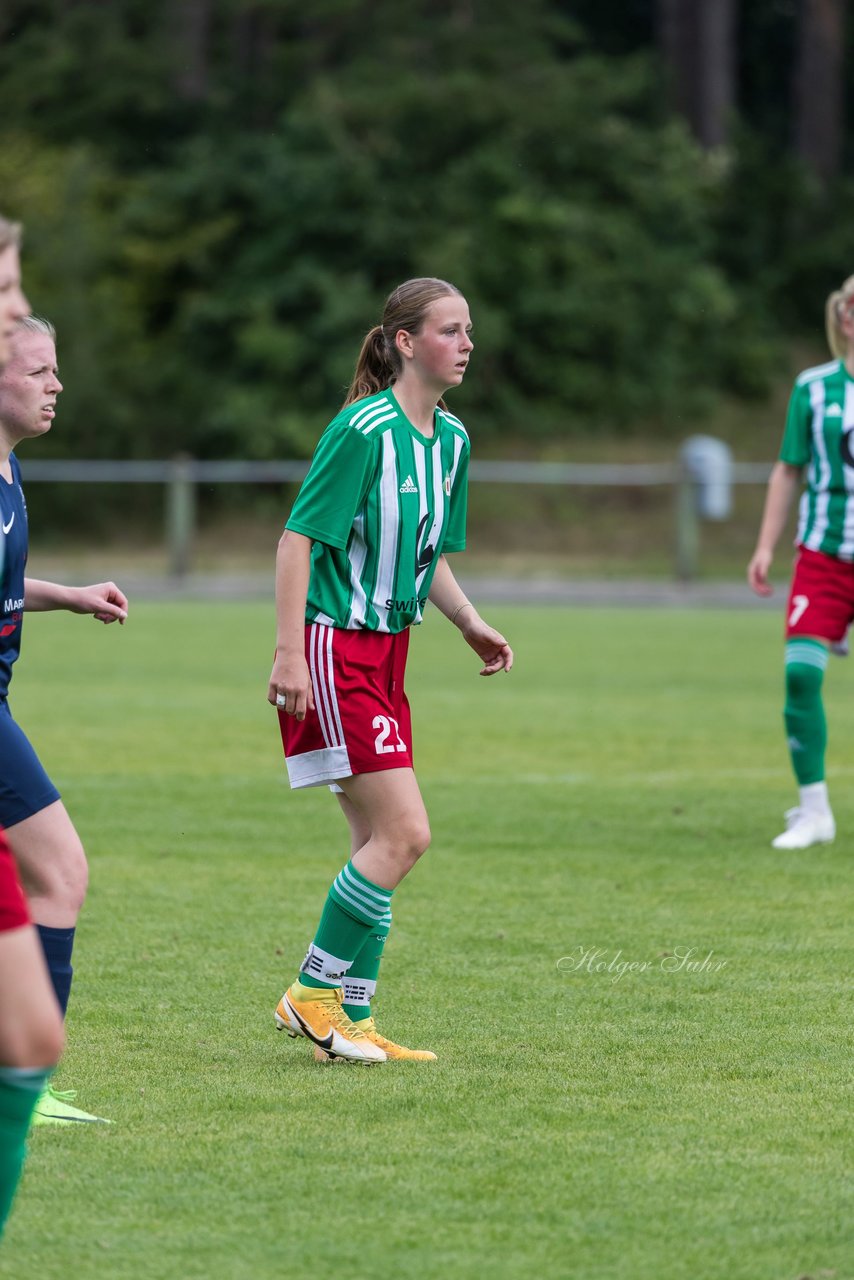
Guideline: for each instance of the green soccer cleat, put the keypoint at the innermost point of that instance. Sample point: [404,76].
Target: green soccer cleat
[54,1107]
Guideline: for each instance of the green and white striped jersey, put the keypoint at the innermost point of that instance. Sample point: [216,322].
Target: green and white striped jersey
[818,434]
[380,502]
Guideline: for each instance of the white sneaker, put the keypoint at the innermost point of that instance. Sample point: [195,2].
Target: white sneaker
[804,828]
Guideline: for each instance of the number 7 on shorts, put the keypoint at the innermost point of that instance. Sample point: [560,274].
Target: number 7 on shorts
[800,605]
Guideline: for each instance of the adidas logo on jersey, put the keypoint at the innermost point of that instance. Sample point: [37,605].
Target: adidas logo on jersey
[409,486]
[833,411]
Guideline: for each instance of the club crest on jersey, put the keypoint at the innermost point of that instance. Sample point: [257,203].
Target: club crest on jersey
[447,484]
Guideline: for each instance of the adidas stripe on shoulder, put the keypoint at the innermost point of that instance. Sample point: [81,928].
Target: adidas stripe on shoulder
[818,371]
[372,413]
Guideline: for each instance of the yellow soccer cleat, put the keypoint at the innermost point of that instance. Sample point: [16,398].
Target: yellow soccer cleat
[316,1013]
[55,1107]
[396,1051]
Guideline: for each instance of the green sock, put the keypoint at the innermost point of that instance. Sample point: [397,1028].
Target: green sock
[806,726]
[19,1092]
[354,908]
[360,983]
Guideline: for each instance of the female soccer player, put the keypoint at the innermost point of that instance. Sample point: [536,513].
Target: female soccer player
[819,435]
[47,849]
[31,1034]
[361,554]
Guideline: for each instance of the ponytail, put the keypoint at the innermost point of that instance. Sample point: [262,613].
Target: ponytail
[376,368]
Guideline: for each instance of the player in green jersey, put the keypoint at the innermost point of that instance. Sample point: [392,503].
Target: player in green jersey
[362,553]
[818,436]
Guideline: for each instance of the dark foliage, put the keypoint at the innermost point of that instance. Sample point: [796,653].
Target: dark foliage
[219,193]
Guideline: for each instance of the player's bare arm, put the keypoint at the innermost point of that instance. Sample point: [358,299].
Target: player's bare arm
[290,688]
[782,486]
[103,600]
[449,598]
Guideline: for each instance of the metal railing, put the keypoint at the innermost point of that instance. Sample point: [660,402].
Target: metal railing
[182,475]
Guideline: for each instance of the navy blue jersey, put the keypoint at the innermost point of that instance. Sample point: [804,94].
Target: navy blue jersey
[13,562]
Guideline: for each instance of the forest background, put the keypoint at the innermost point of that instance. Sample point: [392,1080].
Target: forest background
[644,201]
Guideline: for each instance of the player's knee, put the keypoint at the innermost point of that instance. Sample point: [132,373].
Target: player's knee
[413,838]
[37,1043]
[421,837]
[78,881]
[803,680]
[61,880]
[51,1043]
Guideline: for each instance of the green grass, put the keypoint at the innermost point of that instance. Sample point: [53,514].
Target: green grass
[618,791]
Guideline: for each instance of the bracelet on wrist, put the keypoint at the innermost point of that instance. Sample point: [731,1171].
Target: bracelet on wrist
[467,605]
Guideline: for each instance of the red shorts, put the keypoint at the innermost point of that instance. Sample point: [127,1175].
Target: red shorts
[14,913]
[361,721]
[821,599]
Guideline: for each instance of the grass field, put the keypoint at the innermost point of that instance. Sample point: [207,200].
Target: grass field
[611,802]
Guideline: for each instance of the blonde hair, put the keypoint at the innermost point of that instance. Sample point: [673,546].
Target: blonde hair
[838,302]
[10,234]
[379,361]
[36,324]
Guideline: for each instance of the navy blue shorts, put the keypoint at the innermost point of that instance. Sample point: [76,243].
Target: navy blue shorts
[25,788]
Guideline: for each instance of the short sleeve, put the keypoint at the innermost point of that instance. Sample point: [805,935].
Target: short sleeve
[795,449]
[334,489]
[455,534]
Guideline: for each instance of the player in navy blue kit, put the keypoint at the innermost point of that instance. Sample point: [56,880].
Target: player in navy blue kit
[31,1033]
[50,857]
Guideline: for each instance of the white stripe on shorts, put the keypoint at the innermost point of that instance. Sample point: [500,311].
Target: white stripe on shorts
[332,761]
[323,684]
